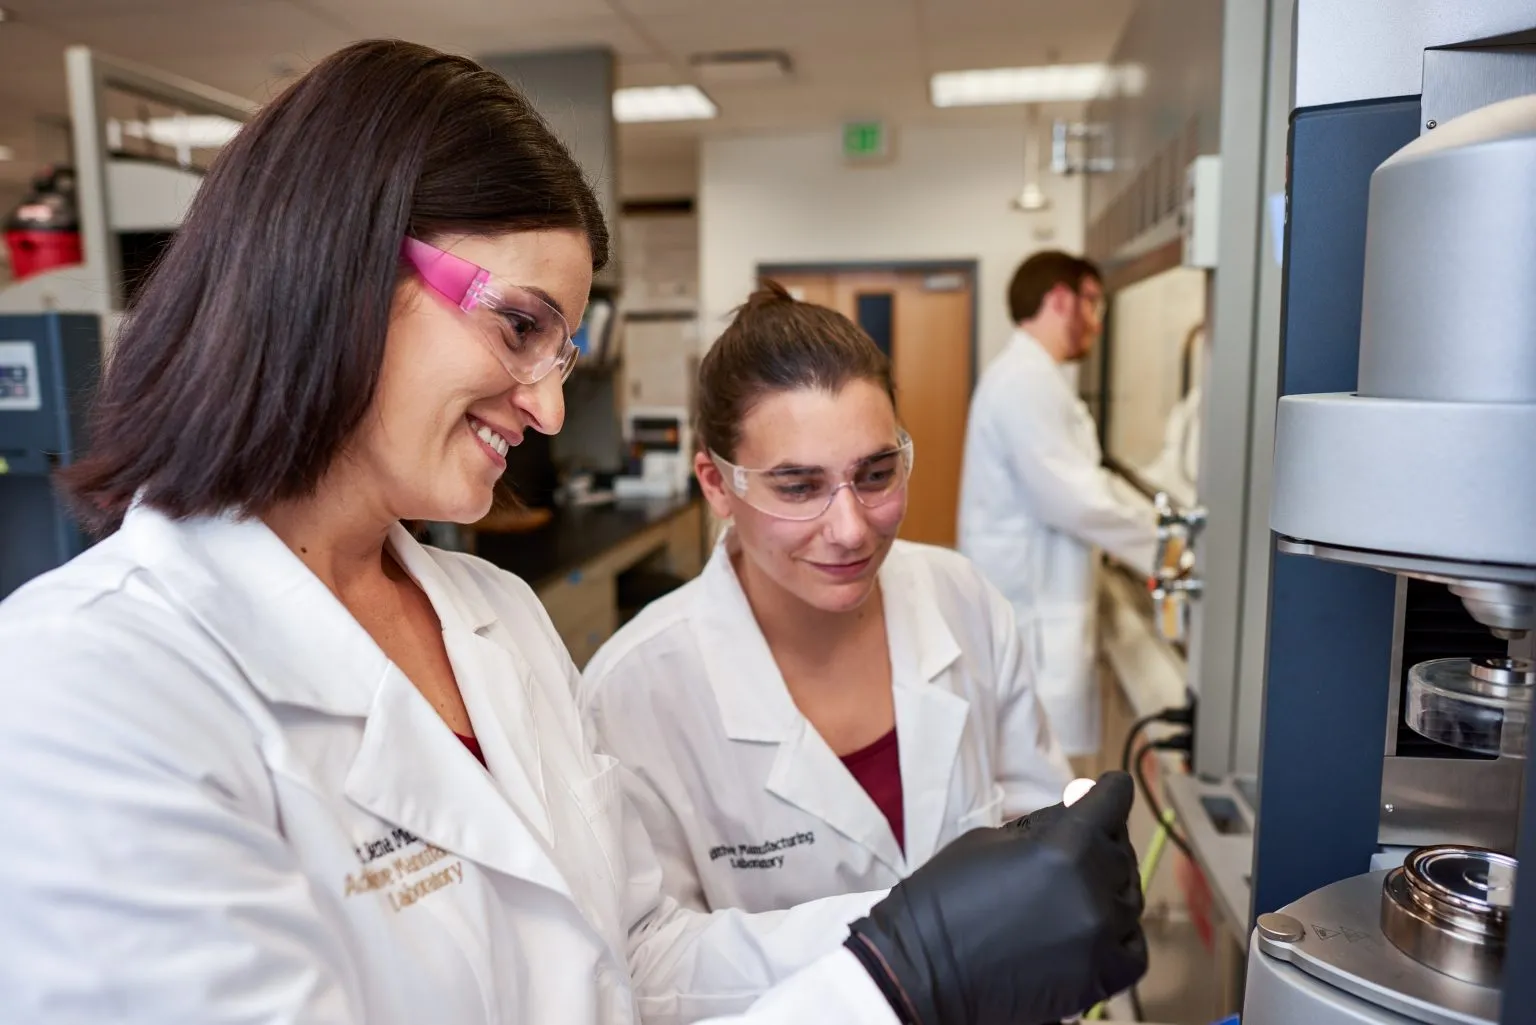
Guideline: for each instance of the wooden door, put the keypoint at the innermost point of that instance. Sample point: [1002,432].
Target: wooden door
[923,320]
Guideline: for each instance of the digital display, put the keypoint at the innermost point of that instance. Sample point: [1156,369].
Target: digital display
[19,386]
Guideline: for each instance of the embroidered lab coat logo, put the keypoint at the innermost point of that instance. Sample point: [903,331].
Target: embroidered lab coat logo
[760,855]
[403,877]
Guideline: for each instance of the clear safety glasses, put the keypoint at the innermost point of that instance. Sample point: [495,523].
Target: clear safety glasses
[805,492]
[527,334]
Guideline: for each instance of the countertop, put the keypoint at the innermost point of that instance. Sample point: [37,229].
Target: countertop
[574,536]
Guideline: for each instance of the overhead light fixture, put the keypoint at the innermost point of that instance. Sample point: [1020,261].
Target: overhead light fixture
[6,153]
[735,66]
[1032,199]
[662,103]
[1048,83]
[198,131]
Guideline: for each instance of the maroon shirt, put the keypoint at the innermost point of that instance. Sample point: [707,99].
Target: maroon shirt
[474,748]
[878,770]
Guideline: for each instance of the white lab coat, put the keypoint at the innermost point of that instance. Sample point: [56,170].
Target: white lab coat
[221,803]
[1035,501]
[747,805]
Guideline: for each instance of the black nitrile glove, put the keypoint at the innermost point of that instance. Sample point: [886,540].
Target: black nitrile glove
[1031,922]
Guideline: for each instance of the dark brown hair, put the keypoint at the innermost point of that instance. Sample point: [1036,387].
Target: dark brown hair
[776,343]
[254,350]
[1042,272]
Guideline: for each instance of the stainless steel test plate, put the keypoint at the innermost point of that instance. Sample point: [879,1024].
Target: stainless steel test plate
[1342,945]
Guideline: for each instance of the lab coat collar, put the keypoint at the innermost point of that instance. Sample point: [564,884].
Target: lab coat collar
[755,705]
[298,645]
[930,719]
[469,607]
[810,776]
[245,586]
[735,650]
[1031,347]
[1033,350]
[478,660]
[272,616]
[914,618]
[412,771]
[737,660]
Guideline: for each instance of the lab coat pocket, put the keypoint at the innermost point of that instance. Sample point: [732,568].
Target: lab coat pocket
[988,813]
[1064,649]
[598,795]
[599,798]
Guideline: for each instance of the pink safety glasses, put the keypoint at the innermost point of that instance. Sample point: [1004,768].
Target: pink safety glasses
[526,332]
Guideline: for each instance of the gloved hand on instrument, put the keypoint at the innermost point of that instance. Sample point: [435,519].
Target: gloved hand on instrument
[1031,922]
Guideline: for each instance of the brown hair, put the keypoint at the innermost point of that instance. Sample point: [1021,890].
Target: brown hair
[254,350]
[1041,273]
[774,344]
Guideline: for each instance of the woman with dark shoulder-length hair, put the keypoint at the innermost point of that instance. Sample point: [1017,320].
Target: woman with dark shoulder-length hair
[267,759]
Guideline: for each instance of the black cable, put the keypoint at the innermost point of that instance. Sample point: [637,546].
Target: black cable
[1132,734]
[1157,806]
[1136,1012]
[1175,716]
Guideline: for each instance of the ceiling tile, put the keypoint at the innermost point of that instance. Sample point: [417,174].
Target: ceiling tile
[785,9]
[1034,31]
[890,63]
[466,22]
[647,72]
[984,51]
[606,30]
[266,28]
[825,26]
[51,10]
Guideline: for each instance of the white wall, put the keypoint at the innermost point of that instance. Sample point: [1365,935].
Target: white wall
[946,195]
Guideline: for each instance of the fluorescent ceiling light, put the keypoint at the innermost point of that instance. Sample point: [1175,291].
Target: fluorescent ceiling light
[200,131]
[662,103]
[1059,83]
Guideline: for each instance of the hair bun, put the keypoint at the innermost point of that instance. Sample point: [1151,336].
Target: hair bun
[769,293]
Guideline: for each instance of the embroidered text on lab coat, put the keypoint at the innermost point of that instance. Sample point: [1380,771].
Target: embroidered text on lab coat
[759,855]
[401,875]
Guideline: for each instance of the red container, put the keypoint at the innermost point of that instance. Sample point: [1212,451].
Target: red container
[44,231]
[34,251]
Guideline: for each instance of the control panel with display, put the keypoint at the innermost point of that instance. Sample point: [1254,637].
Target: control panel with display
[19,386]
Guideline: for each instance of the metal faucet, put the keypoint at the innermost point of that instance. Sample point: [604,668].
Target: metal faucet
[1172,584]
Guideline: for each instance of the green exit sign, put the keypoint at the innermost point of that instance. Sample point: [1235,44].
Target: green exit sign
[865,140]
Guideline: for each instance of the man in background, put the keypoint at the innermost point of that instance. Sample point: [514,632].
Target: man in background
[1035,499]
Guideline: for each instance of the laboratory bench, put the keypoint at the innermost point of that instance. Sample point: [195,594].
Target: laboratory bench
[592,565]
